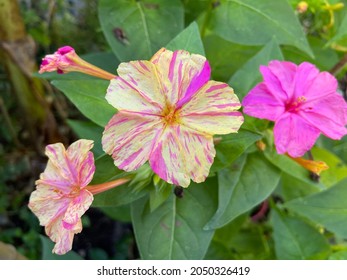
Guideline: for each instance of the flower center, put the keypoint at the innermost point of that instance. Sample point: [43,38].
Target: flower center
[74,192]
[295,106]
[170,115]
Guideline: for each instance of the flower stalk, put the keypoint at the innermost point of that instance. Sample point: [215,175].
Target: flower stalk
[99,188]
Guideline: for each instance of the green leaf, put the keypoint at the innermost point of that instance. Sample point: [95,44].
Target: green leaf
[89,97]
[339,148]
[249,242]
[47,247]
[327,208]
[218,251]
[159,192]
[231,147]
[297,240]
[121,195]
[189,39]
[249,75]
[193,9]
[88,130]
[341,34]
[120,213]
[226,57]
[243,185]
[225,234]
[325,58]
[292,187]
[106,170]
[118,196]
[337,169]
[340,255]
[137,29]
[175,229]
[291,168]
[252,22]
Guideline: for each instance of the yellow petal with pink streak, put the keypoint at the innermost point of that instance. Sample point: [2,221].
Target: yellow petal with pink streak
[82,160]
[74,167]
[47,203]
[181,154]
[177,70]
[137,88]
[58,172]
[129,139]
[213,110]
[61,236]
[77,207]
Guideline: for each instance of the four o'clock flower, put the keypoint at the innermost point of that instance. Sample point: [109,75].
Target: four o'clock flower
[302,102]
[168,111]
[62,193]
[66,60]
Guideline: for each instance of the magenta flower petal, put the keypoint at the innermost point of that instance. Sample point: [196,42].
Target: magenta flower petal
[294,136]
[323,85]
[328,114]
[277,76]
[301,101]
[305,77]
[60,198]
[261,103]
[168,113]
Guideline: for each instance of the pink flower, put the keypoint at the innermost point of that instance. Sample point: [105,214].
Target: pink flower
[62,193]
[66,60]
[168,111]
[301,101]
[61,197]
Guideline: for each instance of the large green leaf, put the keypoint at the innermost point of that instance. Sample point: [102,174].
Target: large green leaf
[226,57]
[337,169]
[88,130]
[327,208]
[253,22]
[189,39]
[341,34]
[217,251]
[248,75]
[325,58]
[297,240]
[121,195]
[339,255]
[243,185]
[291,168]
[231,147]
[89,97]
[137,29]
[119,213]
[174,230]
[249,242]
[291,187]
